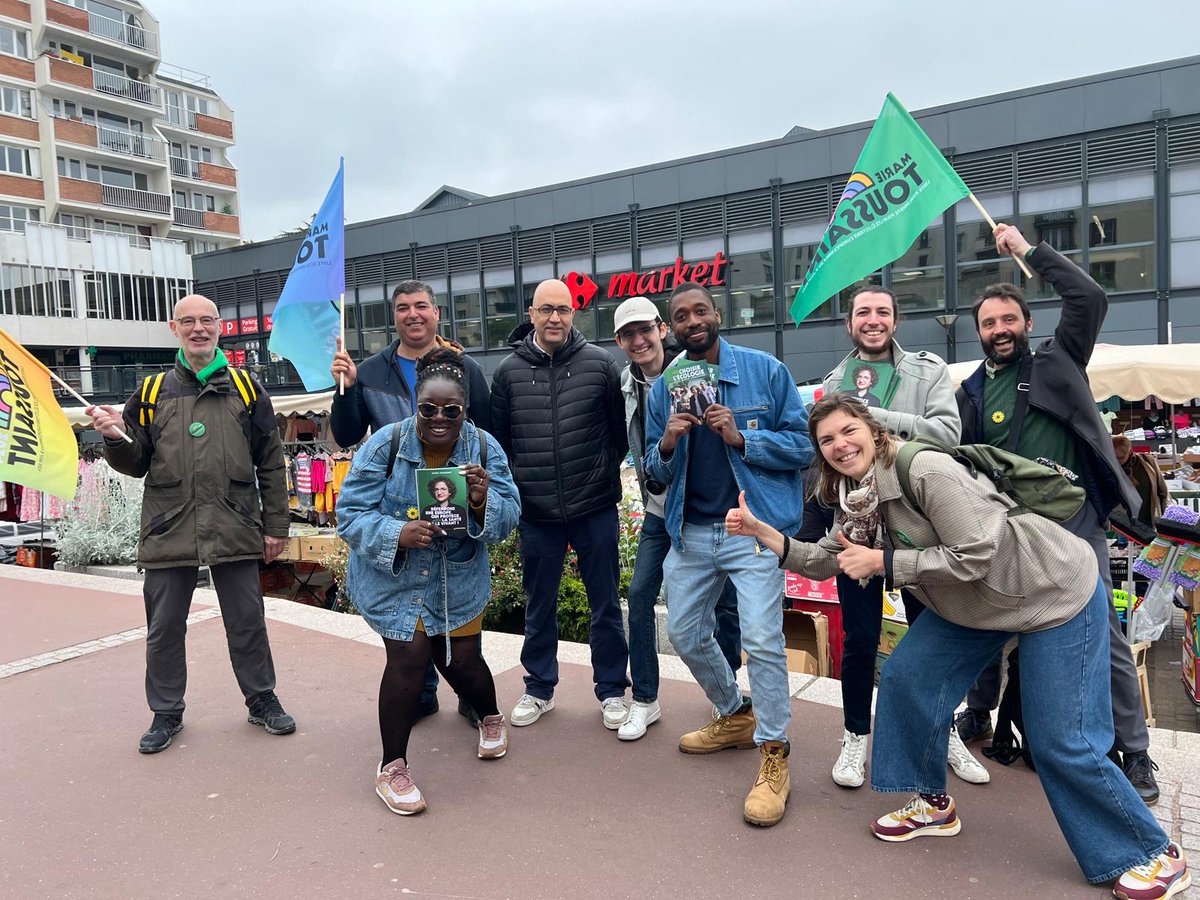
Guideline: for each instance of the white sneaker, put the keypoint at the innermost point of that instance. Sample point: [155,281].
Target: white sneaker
[965,766]
[614,711]
[529,709]
[641,716]
[851,767]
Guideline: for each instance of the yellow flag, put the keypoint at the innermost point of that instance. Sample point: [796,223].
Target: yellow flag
[37,445]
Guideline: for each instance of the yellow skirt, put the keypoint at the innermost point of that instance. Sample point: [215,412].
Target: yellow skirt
[471,628]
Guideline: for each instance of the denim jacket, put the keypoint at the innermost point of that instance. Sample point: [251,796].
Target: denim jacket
[447,584]
[766,407]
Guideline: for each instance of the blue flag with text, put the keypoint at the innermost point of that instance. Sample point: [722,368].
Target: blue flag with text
[308,316]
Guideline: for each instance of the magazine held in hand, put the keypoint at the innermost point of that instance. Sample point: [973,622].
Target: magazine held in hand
[692,385]
[443,497]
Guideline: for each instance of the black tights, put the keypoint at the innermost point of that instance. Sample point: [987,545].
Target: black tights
[404,678]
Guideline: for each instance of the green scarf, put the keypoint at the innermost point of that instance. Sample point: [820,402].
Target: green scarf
[219,362]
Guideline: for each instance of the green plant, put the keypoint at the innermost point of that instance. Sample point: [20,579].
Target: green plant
[336,561]
[102,525]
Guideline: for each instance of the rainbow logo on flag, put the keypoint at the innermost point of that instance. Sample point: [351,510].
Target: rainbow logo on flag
[855,185]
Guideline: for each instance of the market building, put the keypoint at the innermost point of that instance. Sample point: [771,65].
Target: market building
[1105,168]
[113,170]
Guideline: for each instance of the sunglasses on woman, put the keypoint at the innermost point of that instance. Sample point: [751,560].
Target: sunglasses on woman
[450,411]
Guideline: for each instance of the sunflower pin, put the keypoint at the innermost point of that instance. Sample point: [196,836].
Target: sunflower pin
[997,417]
[413,513]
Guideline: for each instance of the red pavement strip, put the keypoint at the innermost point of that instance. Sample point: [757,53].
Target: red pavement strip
[229,811]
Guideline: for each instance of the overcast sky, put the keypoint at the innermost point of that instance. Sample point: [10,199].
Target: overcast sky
[497,97]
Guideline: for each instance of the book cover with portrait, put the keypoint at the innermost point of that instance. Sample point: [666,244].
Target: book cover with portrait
[442,494]
[692,385]
[870,383]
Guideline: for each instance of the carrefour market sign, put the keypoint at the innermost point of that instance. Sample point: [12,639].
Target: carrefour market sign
[710,273]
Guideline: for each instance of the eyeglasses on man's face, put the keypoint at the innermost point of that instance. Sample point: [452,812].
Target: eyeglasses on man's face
[547,311]
[451,411]
[192,321]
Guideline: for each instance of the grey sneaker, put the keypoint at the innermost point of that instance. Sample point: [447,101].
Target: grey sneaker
[395,787]
[965,766]
[614,712]
[529,709]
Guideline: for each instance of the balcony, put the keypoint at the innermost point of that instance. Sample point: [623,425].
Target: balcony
[138,91]
[132,36]
[188,218]
[182,167]
[180,118]
[131,143]
[130,198]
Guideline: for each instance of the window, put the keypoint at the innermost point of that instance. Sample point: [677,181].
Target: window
[751,281]
[14,42]
[18,161]
[210,202]
[16,102]
[796,261]
[1121,255]
[501,314]
[13,218]
[467,327]
[918,276]
[76,226]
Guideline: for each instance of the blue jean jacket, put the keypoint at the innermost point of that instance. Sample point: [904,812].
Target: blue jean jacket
[766,407]
[446,584]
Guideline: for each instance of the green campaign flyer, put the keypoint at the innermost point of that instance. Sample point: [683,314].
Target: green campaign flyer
[693,385]
[442,494]
[871,383]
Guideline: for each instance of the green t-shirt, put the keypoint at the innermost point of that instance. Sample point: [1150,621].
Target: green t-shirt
[1041,435]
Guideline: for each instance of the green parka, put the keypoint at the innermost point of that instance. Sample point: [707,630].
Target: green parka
[201,456]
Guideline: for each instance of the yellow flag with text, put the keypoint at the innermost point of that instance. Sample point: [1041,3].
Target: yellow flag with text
[37,445]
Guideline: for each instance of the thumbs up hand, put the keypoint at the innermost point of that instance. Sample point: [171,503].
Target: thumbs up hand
[858,561]
[741,520]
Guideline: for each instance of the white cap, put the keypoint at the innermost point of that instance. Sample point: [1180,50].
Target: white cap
[635,309]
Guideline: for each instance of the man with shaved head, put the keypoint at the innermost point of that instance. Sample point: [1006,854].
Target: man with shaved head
[558,412]
[203,436]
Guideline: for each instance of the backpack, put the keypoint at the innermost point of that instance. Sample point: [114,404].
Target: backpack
[152,384]
[394,448]
[1035,488]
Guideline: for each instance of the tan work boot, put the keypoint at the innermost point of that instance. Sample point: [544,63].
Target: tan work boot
[766,801]
[722,733]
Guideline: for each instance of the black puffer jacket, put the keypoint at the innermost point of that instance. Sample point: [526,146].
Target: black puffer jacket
[561,420]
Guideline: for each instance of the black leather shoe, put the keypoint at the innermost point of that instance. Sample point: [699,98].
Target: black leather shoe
[973,725]
[427,707]
[1139,769]
[266,710]
[158,737]
[466,710]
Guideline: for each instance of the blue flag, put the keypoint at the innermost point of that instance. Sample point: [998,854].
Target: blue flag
[308,316]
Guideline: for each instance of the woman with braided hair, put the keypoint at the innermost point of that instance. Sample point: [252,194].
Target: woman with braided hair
[422,591]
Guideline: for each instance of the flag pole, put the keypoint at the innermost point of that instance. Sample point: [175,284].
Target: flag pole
[342,328]
[983,212]
[70,390]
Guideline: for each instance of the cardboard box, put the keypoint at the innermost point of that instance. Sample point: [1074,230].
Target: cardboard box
[890,634]
[806,638]
[291,550]
[1190,656]
[1192,599]
[800,588]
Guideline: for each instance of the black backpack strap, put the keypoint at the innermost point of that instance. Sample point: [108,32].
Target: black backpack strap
[393,449]
[483,447]
[1022,403]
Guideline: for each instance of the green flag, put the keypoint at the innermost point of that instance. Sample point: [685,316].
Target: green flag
[900,183]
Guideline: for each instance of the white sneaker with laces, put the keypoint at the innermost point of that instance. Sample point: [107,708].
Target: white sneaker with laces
[614,711]
[641,716]
[850,770]
[529,709]
[965,766]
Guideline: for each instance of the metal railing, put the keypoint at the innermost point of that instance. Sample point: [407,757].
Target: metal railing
[122,32]
[138,91]
[83,233]
[185,168]
[188,218]
[130,143]
[177,115]
[129,198]
[184,76]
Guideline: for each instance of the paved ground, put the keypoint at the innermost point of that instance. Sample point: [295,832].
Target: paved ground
[1173,709]
[231,811]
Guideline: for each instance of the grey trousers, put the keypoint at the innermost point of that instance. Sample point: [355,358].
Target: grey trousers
[1129,720]
[168,595]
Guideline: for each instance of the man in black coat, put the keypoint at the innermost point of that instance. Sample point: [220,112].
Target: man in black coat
[558,412]
[1039,404]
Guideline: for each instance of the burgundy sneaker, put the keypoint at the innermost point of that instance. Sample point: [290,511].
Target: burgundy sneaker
[916,819]
[395,787]
[1164,876]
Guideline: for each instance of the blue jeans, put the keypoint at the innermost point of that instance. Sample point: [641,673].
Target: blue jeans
[644,588]
[1068,717]
[543,551]
[695,578]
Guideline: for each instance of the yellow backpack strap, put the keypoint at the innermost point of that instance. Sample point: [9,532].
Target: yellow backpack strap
[150,388]
[245,387]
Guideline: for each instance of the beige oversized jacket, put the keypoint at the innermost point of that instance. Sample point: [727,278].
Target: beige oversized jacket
[965,557]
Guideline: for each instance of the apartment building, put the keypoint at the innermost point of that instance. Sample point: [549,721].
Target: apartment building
[113,171]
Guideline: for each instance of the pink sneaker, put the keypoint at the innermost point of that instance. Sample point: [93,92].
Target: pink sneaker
[395,787]
[1164,876]
[493,737]
[916,819]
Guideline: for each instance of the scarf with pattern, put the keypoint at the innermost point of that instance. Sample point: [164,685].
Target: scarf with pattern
[859,515]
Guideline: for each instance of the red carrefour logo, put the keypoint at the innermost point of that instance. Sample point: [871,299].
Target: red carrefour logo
[653,281]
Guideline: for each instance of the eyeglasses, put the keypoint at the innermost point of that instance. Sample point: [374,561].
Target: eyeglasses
[547,311]
[451,411]
[628,334]
[190,322]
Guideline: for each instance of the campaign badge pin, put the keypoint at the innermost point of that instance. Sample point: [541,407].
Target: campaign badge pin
[196,429]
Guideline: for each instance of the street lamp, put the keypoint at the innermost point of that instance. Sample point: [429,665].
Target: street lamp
[947,320]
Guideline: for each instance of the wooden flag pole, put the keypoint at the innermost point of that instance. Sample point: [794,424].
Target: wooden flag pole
[70,390]
[983,212]
[342,327]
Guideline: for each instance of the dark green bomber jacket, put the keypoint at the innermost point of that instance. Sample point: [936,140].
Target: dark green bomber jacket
[202,504]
